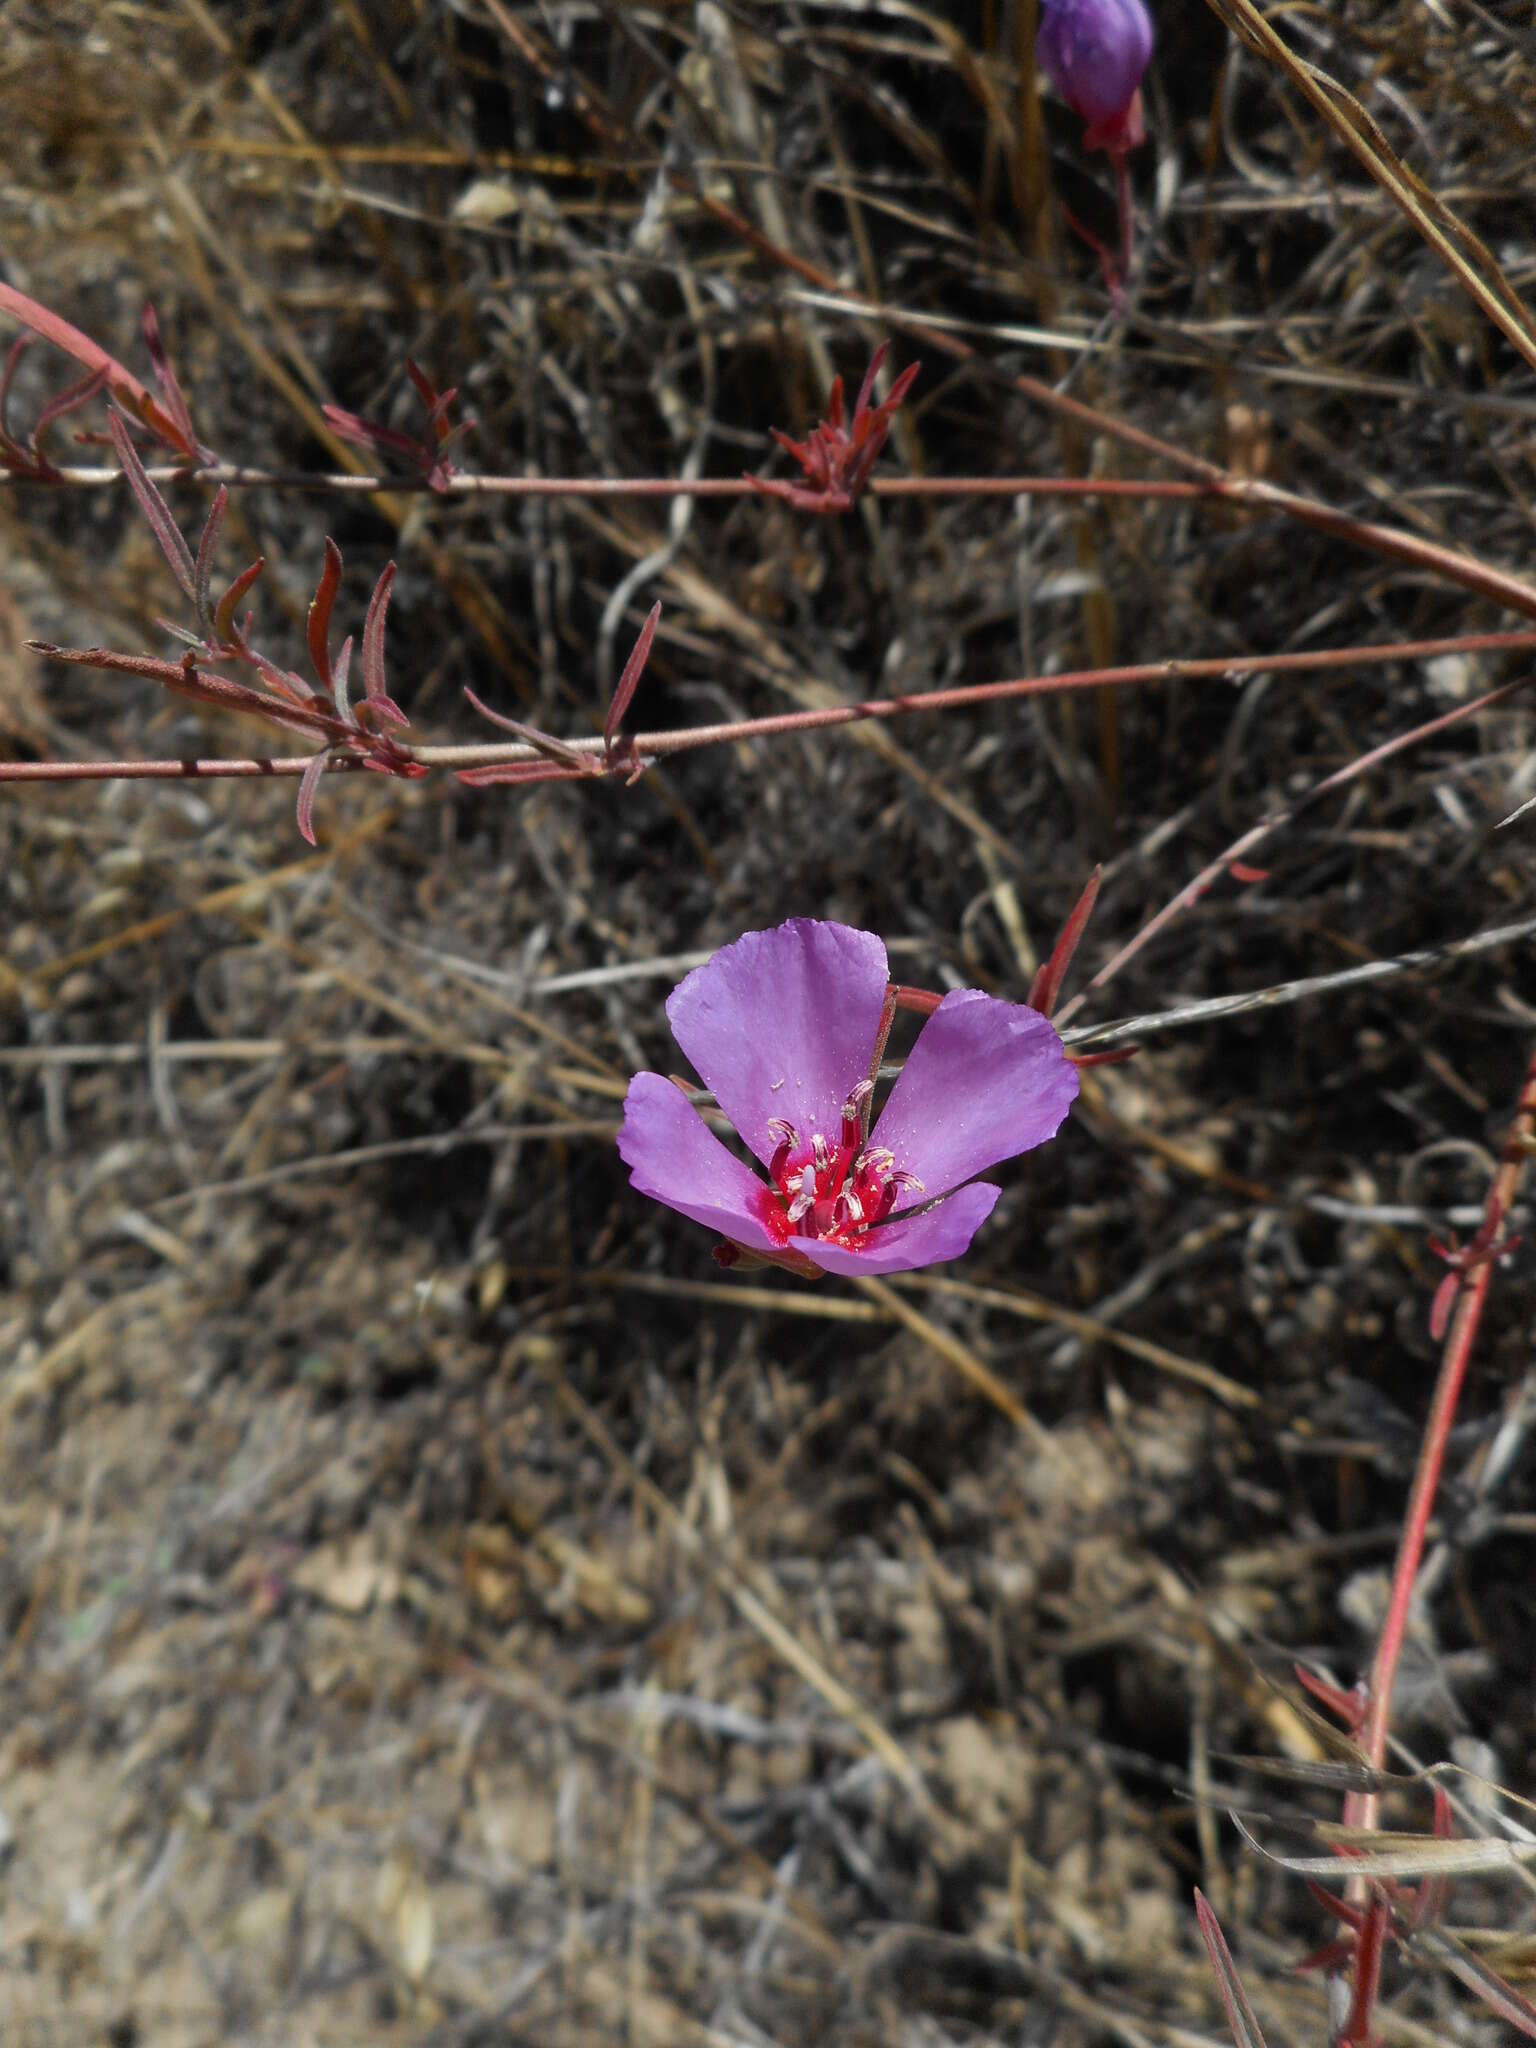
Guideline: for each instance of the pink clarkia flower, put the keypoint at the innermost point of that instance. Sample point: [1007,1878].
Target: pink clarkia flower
[782,1026]
[1095,53]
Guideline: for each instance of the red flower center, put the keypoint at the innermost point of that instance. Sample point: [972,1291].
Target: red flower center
[833,1190]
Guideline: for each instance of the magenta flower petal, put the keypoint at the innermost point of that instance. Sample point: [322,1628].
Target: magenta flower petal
[1095,53]
[674,1157]
[986,1079]
[782,1025]
[942,1232]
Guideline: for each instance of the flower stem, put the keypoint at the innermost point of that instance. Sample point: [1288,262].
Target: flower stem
[1362,1809]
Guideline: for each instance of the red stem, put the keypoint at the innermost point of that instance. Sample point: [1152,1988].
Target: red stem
[1231,857]
[1362,1809]
[686,739]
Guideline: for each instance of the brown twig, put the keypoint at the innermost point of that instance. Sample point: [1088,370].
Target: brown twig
[342,483]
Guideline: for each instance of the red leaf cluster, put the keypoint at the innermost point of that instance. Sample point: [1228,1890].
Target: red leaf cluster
[425,455]
[360,732]
[837,460]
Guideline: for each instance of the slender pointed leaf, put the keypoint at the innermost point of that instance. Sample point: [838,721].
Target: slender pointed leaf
[68,401]
[125,387]
[375,688]
[426,389]
[203,567]
[309,782]
[624,688]
[319,623]
[339,674]
[154,507]
[224,629]
[866,389]
[165,376]
[371,433]
[1046,986]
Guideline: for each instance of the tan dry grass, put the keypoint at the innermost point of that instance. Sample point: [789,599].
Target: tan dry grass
[433,1609]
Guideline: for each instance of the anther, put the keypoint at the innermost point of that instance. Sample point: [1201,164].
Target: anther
[853,1111]
[788,1139]
[857,1097]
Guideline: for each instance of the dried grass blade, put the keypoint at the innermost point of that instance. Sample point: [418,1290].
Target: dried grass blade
[1479,1978]
[1340,1776]
[1450,237]
[1400,1856]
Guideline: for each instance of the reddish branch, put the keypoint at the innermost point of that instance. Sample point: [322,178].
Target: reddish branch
[1231,861]
[542,757]
[1362,1809]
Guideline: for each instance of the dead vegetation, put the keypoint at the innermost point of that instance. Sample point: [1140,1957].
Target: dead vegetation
[435,1605]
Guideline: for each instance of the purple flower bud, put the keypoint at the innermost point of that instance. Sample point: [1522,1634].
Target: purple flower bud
[1095,52]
